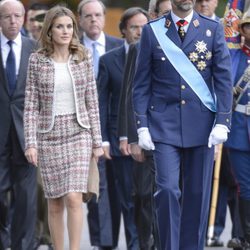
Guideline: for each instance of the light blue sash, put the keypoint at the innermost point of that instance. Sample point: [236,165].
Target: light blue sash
[183,65]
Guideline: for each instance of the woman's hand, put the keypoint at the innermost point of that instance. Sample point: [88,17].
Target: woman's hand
[31,155]
[97,152]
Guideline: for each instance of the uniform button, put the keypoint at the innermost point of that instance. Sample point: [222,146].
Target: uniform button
[152,107]
[183,86]
[138,122]
[227,120]
[163,58]
[183,102]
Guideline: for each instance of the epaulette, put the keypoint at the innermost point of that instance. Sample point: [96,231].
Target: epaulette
[156,19]
[208,18]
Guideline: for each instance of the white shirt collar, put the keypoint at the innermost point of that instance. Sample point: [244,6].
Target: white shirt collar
[213,17]
[188,18]
[17,41]
[126,46]
[88,41]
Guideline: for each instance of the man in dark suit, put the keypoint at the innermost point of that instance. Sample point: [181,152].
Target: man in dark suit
[183,61]
[109,86]
[143,170]
[16,174]
[104,215]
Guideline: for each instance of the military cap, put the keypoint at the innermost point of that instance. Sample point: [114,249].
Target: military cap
[245,18]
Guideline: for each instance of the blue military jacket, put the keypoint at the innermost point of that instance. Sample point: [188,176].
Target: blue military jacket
[240,130]
[164,102]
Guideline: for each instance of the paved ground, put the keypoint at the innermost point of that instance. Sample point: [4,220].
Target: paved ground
[122,245]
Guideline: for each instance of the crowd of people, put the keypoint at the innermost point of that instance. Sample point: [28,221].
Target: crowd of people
[148,110]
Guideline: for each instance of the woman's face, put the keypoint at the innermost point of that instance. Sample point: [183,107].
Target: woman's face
[62,31]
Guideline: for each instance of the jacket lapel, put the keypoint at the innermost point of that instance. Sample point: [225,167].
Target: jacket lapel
[172,32]
[193,31]
[2,72]
[23,67]
[120,58]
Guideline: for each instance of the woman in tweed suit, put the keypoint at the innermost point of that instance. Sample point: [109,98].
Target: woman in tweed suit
[61,121]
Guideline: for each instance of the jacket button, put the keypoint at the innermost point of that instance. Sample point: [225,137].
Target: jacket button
[152,107]
[138,122]
[183,86]
[183,102]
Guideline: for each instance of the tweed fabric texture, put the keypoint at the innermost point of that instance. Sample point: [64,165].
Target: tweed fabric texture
[39,108]
[64,155]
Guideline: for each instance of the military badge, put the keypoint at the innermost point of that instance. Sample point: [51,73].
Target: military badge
[193,56]
[196,23]
[200,55]
[201,47]
[208,33]
[201,65]
[208,55]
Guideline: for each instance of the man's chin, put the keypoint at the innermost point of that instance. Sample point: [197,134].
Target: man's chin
[186,7]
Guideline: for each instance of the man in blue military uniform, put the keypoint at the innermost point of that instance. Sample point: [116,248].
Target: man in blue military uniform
[239,139]
[183,63]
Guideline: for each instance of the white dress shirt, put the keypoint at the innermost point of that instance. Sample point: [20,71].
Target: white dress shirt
[17,48]
[100,43]
[187,18]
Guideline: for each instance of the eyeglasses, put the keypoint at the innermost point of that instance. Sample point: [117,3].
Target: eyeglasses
[8,17]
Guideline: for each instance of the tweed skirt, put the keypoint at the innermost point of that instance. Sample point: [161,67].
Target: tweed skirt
[63,157]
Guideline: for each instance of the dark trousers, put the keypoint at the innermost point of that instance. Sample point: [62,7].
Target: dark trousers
[19,177]
[241,161]
[100,216]
[123,172]
[182,214]
[143,198]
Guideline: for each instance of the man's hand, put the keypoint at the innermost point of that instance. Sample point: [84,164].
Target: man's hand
[31,155]
[137,152]
[97,153]
[106,150]
[145,140]
[123,146]
[218,135]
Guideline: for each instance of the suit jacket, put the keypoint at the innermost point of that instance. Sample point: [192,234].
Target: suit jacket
[126,119]
[164,102]
[11,107]
[239,137]
[111,66]
[112,42]
[39,97]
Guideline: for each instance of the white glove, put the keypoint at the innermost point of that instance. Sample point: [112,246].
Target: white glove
[145,140]
[218,135]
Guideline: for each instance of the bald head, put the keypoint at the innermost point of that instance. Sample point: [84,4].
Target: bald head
[11,18]
[3,2]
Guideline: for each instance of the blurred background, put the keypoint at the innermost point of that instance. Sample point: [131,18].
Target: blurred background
[114,9]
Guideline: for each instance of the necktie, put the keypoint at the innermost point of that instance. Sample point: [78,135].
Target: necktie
[11,69]
[181,23]
[96,57]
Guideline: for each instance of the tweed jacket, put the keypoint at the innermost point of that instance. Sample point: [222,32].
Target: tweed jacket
[39,104]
